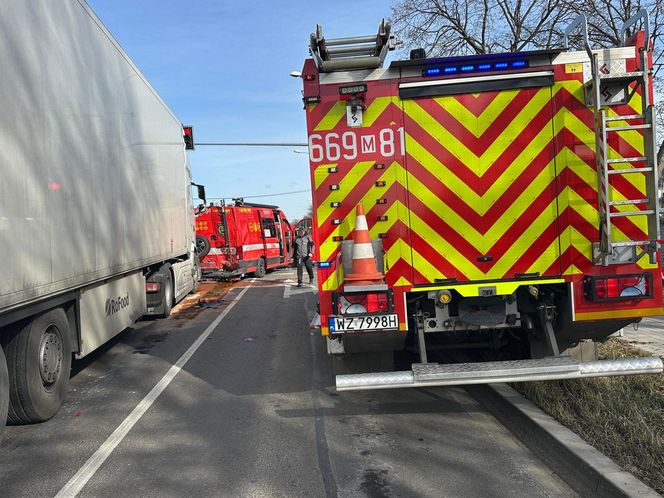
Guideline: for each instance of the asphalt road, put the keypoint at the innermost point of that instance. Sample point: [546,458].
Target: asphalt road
[253,413]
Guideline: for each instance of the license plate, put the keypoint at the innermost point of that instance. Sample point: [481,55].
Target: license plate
[355,323]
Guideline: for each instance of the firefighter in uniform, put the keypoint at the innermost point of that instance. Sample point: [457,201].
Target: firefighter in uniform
[303,251]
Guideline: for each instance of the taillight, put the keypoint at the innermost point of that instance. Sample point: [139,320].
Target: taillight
[152,286]
[618,287]
[364,302]
[377,302]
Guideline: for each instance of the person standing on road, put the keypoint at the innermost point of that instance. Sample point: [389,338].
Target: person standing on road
[303,251]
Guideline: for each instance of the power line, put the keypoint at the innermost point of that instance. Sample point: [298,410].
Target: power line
[262,195]
[255,144]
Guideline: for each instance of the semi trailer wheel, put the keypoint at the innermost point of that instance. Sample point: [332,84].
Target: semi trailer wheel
[4,391]
[202,245]
[260,268]
[39,362]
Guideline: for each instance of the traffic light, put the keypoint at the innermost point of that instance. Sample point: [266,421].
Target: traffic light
[188,133]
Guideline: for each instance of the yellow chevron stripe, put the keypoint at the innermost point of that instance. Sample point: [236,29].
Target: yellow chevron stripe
[338,111]
[583,245]
[320,173]
[479,164]
[376,108]
[524,242]
[346,183]
[402,282]
[332,282]
[480,204]
[443,247]
[572,270]
[401,250]
[332,117]
[547,258]
[418,262]
[482,122]
[394,173]
[448,214]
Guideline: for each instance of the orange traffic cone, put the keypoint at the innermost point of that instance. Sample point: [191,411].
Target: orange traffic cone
[364,266]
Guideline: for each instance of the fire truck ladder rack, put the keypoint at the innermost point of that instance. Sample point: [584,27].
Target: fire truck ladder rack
[608,251]
[357,52]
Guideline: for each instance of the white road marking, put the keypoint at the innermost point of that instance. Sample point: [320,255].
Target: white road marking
[89,468]
[290,291]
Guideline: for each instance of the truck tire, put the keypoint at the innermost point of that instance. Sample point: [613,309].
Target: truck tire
[39,363]
[4,391]
[167,293]
[260,268]
[202,246]
[197,277]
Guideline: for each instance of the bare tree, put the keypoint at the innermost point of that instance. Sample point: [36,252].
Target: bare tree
[463,27]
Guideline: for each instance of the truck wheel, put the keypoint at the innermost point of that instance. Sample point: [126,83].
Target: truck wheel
[168,293]
[39,363]
[202,245]
[197,278]
[260,268]
[4,391]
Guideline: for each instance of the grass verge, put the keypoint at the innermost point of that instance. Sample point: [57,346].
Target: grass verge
[623,417]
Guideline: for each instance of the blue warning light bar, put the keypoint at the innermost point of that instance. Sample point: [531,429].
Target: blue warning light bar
[473,68]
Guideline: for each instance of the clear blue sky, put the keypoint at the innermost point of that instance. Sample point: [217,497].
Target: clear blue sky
[223,66]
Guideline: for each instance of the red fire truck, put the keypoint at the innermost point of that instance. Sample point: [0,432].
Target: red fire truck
[511,200]
[242,238]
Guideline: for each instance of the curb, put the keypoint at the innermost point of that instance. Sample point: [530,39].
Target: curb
[584,468]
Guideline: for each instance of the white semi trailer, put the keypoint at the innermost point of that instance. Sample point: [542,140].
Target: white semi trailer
[96,221]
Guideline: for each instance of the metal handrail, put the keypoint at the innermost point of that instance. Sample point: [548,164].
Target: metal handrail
[583,22]
[641,14]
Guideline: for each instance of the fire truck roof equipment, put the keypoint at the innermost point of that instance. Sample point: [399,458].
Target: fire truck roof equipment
[357,52]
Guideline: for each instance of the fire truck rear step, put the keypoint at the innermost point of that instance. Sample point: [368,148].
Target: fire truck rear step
[561,367]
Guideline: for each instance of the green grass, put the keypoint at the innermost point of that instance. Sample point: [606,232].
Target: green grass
[623,417]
